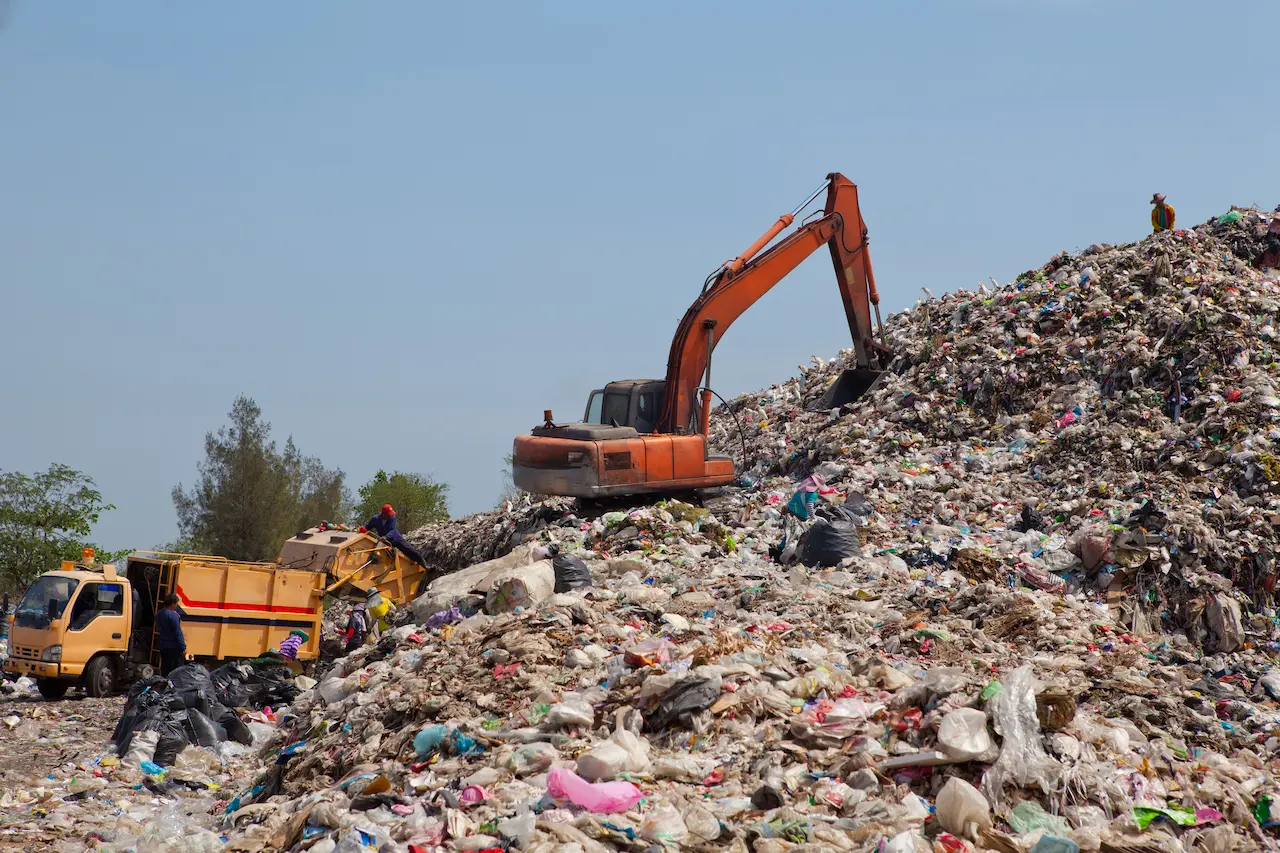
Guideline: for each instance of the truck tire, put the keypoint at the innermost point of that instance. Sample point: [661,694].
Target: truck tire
[99,677]
[52,688]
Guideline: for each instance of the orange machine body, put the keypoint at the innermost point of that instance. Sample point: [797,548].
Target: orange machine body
[651,436]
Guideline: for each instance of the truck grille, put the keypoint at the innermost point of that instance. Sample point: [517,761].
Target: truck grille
[26,652]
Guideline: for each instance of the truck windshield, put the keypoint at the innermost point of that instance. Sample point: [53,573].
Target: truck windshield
[44,602]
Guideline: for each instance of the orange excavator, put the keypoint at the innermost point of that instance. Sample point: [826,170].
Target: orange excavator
[641,436]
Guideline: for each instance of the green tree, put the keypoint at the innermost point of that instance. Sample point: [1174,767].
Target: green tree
[417,498]
[181,545]
[46,518]
[251,497]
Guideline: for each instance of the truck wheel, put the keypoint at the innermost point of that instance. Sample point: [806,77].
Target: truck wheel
[52,688]
[99,677]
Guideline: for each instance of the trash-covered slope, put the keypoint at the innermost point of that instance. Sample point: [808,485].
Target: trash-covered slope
[1099,382]
[1005,603]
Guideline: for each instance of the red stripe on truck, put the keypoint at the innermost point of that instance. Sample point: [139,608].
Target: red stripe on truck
[233,605]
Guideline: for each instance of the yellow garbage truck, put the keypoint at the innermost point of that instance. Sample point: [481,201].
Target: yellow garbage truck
[92,625]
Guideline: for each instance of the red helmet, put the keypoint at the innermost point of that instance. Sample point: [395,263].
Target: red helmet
[387,510]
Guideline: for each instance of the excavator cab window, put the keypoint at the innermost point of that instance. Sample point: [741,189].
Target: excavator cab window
[617,407]
[594,403]
[647,411]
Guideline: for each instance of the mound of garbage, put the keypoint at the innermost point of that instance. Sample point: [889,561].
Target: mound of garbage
[1017,598]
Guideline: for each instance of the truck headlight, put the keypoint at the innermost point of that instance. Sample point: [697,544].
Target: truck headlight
[576,458]
[52,654]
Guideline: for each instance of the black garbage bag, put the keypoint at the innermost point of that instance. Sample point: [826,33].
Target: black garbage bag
[229,682]
[244,686]
[204,700]
[1029,520]
[167,749]
[204,731]
[571,572]
[686,698]
[924,558]
[143,695]
[277,684]
[235,728]
[1149,516]
[171,725]
[143,713]
[827,543]
[855,508]
[190,676]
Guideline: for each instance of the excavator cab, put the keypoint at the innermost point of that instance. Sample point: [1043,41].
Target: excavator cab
[632,403]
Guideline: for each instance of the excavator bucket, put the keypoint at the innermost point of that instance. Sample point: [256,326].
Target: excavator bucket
[849,386]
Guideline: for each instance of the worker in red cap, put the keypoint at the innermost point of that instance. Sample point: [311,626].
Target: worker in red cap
[384,524]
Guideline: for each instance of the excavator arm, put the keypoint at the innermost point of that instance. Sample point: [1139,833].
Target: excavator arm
[739,283]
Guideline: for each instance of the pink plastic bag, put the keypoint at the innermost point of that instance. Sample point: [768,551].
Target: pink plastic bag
[598,797]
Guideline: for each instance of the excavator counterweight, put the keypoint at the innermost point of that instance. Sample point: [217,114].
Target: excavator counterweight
[643,436]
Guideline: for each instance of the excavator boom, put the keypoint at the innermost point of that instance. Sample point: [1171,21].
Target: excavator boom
[629,442]
[740,283]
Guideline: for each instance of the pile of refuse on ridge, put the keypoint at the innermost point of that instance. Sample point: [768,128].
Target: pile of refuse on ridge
[1017,598]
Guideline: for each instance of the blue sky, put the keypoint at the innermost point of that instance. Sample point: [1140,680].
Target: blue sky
[406,228]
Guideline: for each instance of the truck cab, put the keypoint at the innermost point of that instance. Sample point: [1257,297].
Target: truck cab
[78,625]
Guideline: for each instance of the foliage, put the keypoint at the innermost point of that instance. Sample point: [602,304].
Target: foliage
[509,490]
[46,518]
[181,545]
[251,497]
[416,498]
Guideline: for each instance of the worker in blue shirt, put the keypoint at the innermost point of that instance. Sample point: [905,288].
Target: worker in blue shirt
[384,524]
[169,640]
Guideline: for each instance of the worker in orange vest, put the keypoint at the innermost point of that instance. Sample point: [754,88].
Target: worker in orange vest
[1161,215]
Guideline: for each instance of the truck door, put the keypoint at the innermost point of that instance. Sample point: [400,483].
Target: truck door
[98,622]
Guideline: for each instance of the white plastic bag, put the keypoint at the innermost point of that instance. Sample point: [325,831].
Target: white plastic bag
[664,824]
[572,711]
[959,805]
[1022,757]
[963,736]
[142,747]
[623,752]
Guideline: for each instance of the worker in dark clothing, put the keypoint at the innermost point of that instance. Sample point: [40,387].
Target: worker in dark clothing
[169,639]
[357,627]
[1270,257]
[384,525]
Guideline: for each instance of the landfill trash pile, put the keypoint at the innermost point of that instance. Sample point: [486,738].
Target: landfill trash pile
[450,545]
[1118,406]
[1017,598]
[157,782]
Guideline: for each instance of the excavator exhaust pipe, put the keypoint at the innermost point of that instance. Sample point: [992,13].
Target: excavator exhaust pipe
[851,385]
